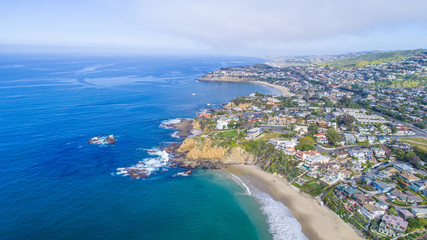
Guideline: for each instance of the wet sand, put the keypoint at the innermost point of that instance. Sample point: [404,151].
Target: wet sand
[318,222]
[284,91]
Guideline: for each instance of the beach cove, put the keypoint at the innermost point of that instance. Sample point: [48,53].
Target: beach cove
[317,222]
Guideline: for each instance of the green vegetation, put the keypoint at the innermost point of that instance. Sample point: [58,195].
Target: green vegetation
[313,129]
[372,58]
[419,142]
[401,82]
[392,211]
[266,135]
[346,102]
[416,223]
[398,202]
[272,160]
[313,188]
[365,186]
[305,144]
[229,134]
[333,137]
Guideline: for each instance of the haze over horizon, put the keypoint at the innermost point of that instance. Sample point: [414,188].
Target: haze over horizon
[237,27]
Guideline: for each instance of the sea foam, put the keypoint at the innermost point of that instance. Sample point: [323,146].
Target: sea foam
[282,224]
[158,161]
[167,123]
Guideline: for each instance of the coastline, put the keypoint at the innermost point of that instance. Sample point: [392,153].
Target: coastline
[284,91]
[317,222]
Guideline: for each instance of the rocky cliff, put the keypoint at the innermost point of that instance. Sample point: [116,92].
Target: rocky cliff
[201,151]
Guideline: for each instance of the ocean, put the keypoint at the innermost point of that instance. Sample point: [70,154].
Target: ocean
[54,185]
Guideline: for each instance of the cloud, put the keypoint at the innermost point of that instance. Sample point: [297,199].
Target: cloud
[240,23]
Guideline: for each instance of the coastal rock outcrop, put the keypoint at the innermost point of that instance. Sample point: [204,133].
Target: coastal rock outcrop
[202,152]
[184,127]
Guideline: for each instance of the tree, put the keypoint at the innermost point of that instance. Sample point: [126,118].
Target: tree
[327,101]
[305,144]
[409,155]
[347,120]
[414,160]
[392,211]
[313,129]
[374,224]
[414,223]
[332,136]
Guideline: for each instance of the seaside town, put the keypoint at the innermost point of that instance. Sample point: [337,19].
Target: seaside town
[351,137]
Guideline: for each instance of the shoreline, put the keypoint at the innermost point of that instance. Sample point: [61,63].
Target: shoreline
[284,91]
[317,222]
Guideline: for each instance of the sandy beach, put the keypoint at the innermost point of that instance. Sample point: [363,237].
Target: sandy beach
[318,222]
[284,91]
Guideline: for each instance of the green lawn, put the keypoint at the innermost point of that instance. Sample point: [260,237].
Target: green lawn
[229,133]
[269,135]
[418,142]
[399,203]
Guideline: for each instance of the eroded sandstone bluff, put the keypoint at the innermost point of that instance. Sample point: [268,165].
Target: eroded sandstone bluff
[201,151]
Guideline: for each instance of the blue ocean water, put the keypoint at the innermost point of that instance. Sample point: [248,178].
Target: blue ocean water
[54,185]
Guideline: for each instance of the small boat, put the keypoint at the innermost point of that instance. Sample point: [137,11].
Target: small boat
[194,94]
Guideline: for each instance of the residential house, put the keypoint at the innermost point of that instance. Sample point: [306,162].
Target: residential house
[404,167]
[301,129]
[283,144]
[361,154]
[406,196]
[321,138]
[372,139]
[405,214]
[418,185]
[392,226]
[363,199]
[409,177]
[383,139]
[302,155]
[419,212]
[361,138]
[349,138]
[345,191]
[222,123]
[371,211]
[383,187]
[254,132]
[316,159]
[387,173]
[342,154]
[379,152]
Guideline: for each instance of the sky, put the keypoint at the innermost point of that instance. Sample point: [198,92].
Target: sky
[232,27]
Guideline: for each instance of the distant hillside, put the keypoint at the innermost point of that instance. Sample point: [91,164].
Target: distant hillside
[372,58]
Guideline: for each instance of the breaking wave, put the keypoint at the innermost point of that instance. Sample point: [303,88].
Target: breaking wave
[175,134]
[144,168]
[282,224]
[167,123]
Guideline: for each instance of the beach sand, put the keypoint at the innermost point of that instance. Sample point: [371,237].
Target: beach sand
[318,222]
[284,91]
